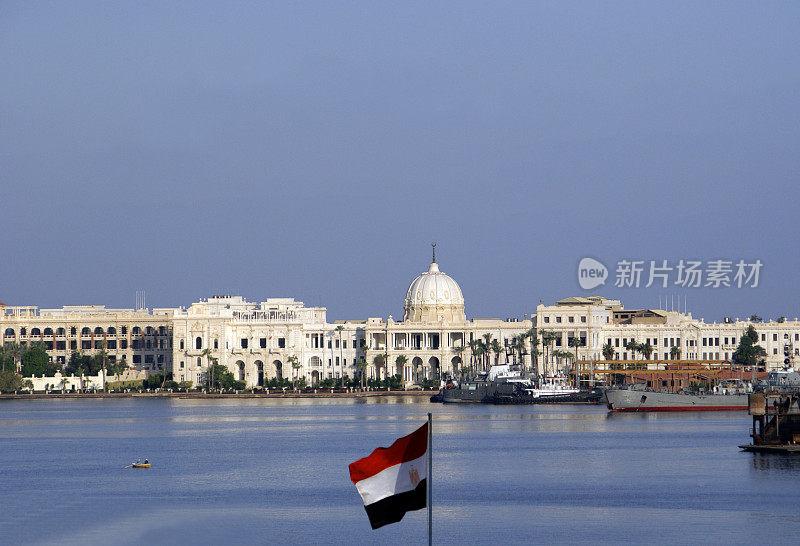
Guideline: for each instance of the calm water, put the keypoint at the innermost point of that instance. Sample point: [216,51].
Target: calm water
[262,471]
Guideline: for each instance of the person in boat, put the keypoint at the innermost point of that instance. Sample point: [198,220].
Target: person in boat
[146,461]
[138,461]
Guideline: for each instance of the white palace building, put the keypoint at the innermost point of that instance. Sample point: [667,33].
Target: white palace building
[261,341]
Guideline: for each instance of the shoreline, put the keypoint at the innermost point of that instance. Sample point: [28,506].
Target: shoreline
[191,396]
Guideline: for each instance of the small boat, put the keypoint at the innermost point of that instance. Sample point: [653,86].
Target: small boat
[141,465]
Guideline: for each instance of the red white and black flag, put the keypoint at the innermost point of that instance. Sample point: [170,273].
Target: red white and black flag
[393,480]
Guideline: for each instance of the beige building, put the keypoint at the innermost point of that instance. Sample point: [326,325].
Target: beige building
[597,321]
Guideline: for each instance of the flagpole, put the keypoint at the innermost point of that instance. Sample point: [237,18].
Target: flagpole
[430,480]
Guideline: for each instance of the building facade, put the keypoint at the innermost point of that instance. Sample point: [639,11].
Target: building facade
[282,338]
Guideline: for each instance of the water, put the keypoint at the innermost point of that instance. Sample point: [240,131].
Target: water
[266,471]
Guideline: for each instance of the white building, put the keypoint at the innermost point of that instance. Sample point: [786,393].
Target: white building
[597,321]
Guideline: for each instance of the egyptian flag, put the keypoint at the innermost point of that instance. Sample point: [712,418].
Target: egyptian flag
[392,480]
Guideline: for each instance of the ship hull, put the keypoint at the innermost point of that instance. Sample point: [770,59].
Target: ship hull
[623,400]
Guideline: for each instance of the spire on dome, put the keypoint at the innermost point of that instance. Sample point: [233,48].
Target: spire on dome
[433,245]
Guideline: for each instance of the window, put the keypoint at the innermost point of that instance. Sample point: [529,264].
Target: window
[181,345]
[137,359]
[558,319]
[244,343]
[135,344]
[198,343]
[112,344]
[583,319]
[572,319]
[216,344]
[763,337]
[124,330]
[73,345]
[148,359]
[344,344]
[86,344]
[547,320]
[282,343]
[774,337]
[72,331]
[262,342]
[775,351]
[123,344]
[181,364]
[61,345]
[716,342]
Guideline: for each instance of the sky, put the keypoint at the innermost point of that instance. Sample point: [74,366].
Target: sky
[315,150]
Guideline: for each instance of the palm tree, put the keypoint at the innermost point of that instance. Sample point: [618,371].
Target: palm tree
[496,348]
[633,347]
[608,351]
[209,356]
[487,347]
[14,350]
[473,347]
[547,339]
[576,342]
[459,352]
[339,329]
[379,361]
[400,362]
[361,366]
[674,353]
[103,356]
[646,349]
[295,364]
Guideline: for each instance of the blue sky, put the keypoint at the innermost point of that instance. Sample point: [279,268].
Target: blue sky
[314,150]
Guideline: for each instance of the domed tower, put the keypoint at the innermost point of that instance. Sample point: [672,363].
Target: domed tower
[434,297]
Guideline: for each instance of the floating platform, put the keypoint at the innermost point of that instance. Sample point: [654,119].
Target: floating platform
[780,449]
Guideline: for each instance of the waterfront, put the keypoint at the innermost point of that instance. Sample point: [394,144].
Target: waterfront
[269,470]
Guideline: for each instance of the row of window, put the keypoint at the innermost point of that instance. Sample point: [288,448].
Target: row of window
[570,319]
[112,331]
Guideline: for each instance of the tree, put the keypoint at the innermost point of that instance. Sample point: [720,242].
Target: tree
[339,329]
[11,381]
[379,361]
[633,347]
[756,318]
[36,361]
[400,362]
[674,353]
[748,353]
[496,348]
[473,347]
[295,363]
[486,348]
[780,320]
[646,349]
[576,342]
[608,351]
[459,353]
[223,377]
[361,367]
[14,352]
[103,356]
[210,375]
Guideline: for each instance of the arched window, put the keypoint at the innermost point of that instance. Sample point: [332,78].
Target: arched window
[36,332]
[48,331]
[198,343]
[136,331]
[112,331]
[85,331]
[149,331]
[61,332]
[162,330]
[98,331]
[9,332]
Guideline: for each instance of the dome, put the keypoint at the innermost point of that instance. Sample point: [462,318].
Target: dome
[434,296]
